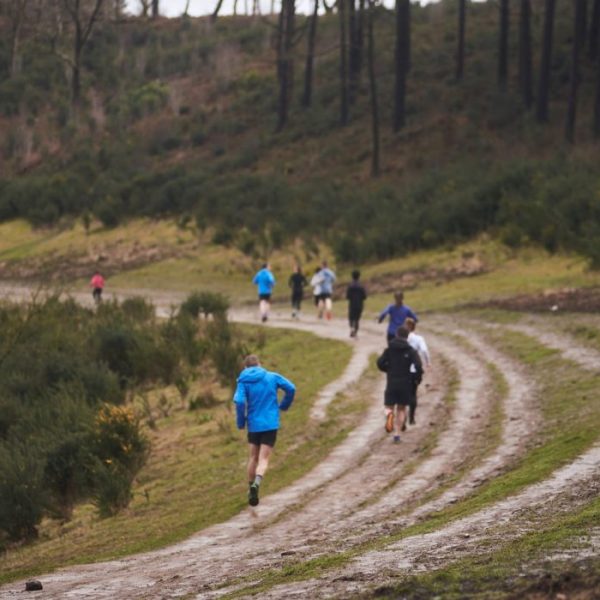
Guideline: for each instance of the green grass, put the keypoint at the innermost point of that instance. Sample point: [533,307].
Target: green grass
[568,395]
[196,474]
[506,572]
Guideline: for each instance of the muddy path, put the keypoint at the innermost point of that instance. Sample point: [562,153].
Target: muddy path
[364,488]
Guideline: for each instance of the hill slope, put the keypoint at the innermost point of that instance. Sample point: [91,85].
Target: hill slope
[178,119]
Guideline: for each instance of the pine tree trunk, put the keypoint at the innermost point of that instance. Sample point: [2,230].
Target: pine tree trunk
[352,43]
[525,55]
[503,44]
[310,57]
[401,64]
[373,91]
[285,68]
[597,102]
[594,31]
[343,64]
[460,51]
[578,37]
[360,43]
[545,63]
[215,12]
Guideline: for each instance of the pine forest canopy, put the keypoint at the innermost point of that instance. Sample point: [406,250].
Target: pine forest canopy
[379,129]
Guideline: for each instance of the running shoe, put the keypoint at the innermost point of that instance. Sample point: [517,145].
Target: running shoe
[253,495]
[412,421]
[396,439]
[264,318]
[389,422]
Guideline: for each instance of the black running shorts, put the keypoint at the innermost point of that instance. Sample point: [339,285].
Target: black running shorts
[258,438]
[392,397]
[266,297]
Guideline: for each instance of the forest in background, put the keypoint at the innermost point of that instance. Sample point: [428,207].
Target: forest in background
[411,135]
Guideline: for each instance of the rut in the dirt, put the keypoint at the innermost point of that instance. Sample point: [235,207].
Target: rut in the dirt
[349,497]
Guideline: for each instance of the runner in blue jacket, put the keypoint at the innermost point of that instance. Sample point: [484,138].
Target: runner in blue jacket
[397,313]
[257,407]
[264,280]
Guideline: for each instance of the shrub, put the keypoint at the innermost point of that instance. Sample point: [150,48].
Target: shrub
[117,438]
[206,303]
[21,490]
[226,351]
[112,489]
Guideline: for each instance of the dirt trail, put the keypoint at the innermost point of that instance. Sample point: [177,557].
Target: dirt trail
[359,492]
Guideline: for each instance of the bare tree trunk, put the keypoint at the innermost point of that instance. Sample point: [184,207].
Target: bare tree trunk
[310,57]
[525,56]
[401,63]
[235,5]
[83,25]
[360,41]
[583,25]
[578,38]
[16,15]
[597,102]
[272,11]
[145,7]
[544,83]
[15,58]
[460,51]
[503,44]
[285,65]
[352,43]
[215,13]
[594,30]
[344,92]
[155,9]
[373,91]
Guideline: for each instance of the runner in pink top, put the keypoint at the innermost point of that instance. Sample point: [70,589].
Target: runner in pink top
[97,284]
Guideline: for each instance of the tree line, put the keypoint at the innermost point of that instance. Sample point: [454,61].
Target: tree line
[354,14]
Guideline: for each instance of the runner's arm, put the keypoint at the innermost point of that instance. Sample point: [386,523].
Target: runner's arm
[383,362]
[289,388]
[383,314]
[240,405]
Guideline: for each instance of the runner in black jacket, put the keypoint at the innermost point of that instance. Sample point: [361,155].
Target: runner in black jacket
[297,282]
[396,361]
[356,296]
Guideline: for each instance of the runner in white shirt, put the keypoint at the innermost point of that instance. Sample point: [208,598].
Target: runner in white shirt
[420,345]
[316,283]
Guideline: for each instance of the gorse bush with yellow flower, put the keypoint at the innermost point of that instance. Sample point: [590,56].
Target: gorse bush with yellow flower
[67,431]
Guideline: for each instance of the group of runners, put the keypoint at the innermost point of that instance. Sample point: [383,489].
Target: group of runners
[257,393]
[322,283]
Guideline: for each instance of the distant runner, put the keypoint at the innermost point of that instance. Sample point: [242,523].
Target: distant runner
[264,281]
[257,407]
[327,281]
[315,282]
[297,282]
[419,344]
[356,296]
[397,360]
[397,313]
[97,284]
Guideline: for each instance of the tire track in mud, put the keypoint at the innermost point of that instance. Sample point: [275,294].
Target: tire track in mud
[508,519]
[504,521]
[453,445]
[247,543]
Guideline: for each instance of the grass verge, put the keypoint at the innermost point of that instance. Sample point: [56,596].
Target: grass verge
[520,569]
[196,474]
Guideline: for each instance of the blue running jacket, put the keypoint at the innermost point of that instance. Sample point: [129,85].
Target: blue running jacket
[256,398]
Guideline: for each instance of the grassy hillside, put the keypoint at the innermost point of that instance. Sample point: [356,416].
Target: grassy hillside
[178,119]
